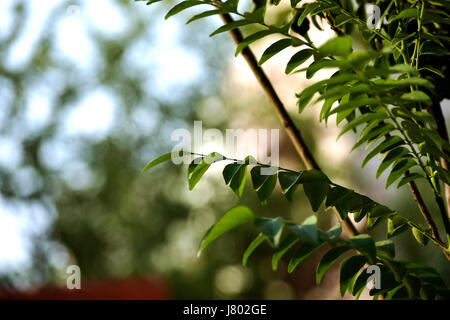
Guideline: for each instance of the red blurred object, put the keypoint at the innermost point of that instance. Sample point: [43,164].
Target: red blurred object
[148,288]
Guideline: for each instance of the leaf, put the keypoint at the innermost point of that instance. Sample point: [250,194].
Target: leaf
[252,38]
[205,14]
[273,49]
[282,249]
[407,13]
[386,145]
[327,261]
[196,170]
[392,156]
[288,182]
[399,168]
[365,118]
[339,46]
[331,236]
[298,59]
[357,102]
[386,246]
[252,246]
[404,68]
[364,244]
[182,6]
[410,177]
[324,64]
[338,197]
[419,236]
[348,271]
[306,231]
[313,176]
[164,158]
[316,193]
[235,175]
[417,96]
[230,220]
[305,249]
[263,184]
[271,228]
[396,225]
[231,26]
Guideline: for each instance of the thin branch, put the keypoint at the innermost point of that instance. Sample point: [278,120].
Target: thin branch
[288,124]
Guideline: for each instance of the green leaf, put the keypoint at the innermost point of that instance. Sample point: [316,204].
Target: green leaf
[339,46]
[399,169]
[410,177]
[298,59]
[306,231]
[164,158]
[417,96]
[252,247]
[364,244]
[263,184]
[403,68]
[316,193]
[348,271]
[351,105]
[338,197]
[392,156]
[407,13]
[396,225]
[196,170]
[313,176]
[271,228]
[273,49]
[305,249]
[282,249]
[235,175]
[205,14]
[360,282]
[331,236]
[230,220]
[386,246]
[327,261]
[419,236]
[324,64]
[385,146]
[231,26]
[182,6]
[366,118]
[288,182]
[252,38]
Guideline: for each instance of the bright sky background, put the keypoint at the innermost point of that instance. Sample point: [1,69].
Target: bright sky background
[93,115]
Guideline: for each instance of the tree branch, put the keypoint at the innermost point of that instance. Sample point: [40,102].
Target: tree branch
[288,124]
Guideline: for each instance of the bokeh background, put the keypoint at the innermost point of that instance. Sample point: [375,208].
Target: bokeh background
[90,91]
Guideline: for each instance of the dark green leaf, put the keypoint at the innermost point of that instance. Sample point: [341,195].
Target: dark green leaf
[305,249]
[327,261]
[385,146]
[263,184]
[252,38]
[298,59]
[316,193]
[398,170]
[387,246]
[274,49]
[182,6]
[348,271]
[271,228]
[231,26]
[282,249]
[364,244]
[307,231]
[288,182]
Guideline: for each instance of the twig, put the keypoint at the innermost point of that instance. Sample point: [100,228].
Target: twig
[288,124]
